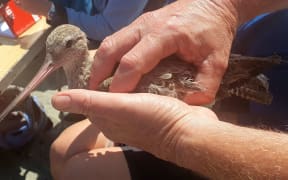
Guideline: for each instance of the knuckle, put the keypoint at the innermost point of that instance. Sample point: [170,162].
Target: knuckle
[146,17]
[220,64]
[174,25]
[105,47]
[131,62]
[170,25]
[184,40]
[153,39]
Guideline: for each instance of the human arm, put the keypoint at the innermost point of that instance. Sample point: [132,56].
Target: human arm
[116,15]
[40,7]
[199,31]
[226,151]
[189,136]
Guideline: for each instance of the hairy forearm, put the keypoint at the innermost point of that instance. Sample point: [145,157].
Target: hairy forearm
[226,151]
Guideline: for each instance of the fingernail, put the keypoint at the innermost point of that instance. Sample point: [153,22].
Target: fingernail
[62,102]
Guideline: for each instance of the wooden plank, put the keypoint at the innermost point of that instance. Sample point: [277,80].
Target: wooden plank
[17,54]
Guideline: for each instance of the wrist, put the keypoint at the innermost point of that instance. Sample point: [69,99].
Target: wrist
[226,10]
[181,144]
[191,151]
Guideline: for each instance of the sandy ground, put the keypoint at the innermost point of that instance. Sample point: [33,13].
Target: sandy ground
[32,161]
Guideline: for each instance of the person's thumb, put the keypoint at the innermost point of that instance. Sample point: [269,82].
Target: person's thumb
[82,101]
[95,103]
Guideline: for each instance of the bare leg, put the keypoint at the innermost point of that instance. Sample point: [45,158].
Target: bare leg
[80,137]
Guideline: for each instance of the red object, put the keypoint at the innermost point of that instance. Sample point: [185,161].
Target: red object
[16,18]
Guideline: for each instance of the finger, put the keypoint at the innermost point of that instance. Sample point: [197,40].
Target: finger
[209,76]
[109,53]
[110,105]
[141,59]
[91,103]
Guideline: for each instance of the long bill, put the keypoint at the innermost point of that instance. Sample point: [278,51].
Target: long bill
[47,68]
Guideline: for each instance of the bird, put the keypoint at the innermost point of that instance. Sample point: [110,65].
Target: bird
[66,47]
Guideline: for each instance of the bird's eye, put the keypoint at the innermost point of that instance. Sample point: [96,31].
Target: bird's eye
[69,43]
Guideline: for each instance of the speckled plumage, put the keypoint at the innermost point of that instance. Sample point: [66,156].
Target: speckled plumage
[243,78]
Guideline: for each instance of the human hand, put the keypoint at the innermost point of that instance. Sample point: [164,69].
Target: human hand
[151,122]
[199,31]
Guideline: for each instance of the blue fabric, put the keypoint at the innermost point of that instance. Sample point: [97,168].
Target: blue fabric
[115,15]
[111,17]
[267,35]
[35,119]
[101,18]
[18,137]
[21,136]
[89,7]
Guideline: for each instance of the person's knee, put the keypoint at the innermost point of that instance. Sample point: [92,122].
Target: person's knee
[57,157]
[59,148]
[72,140]
[79,137]
[59,151]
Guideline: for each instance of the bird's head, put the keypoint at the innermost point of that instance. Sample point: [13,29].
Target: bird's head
[65,45]
[65,42]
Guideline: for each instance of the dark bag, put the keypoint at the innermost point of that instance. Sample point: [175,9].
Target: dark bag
[27,120]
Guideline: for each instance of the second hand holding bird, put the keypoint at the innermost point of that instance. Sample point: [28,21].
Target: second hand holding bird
[66,47]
